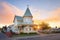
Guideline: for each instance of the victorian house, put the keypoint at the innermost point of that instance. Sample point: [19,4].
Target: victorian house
[23,24]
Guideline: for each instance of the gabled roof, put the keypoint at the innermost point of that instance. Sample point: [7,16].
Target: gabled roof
[28,13]
[18,17]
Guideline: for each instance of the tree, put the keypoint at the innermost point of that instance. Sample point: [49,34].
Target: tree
[44,26]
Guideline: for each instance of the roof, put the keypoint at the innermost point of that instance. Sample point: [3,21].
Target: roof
[18,17]
[27,13]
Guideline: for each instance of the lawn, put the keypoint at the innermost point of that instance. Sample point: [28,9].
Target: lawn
[24,34]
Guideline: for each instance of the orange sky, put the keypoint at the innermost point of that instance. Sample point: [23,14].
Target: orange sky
[8,12]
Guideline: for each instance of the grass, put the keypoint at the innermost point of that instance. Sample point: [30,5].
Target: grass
[24,34]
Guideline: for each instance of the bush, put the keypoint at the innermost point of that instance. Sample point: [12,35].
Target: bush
[44,26]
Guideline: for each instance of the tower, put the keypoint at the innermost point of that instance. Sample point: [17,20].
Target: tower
[27,18]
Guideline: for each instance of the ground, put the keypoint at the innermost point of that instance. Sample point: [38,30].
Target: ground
[40,37]
[3,37]
[55,36]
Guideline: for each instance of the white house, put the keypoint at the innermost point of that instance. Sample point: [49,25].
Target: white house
[23,24]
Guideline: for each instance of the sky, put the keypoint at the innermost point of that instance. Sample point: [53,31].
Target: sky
[42,10]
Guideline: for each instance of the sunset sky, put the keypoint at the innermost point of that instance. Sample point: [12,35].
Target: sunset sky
[42,10]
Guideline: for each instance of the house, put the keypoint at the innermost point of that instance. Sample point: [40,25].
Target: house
[23,24]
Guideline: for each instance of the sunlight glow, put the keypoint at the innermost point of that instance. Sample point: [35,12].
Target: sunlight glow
[54,24]
[9,11]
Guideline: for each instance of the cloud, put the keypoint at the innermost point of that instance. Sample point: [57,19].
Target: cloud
[16,10]
[53,15]
[7,12]
[40,14]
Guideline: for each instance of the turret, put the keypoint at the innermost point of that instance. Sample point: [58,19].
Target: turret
[27,18]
